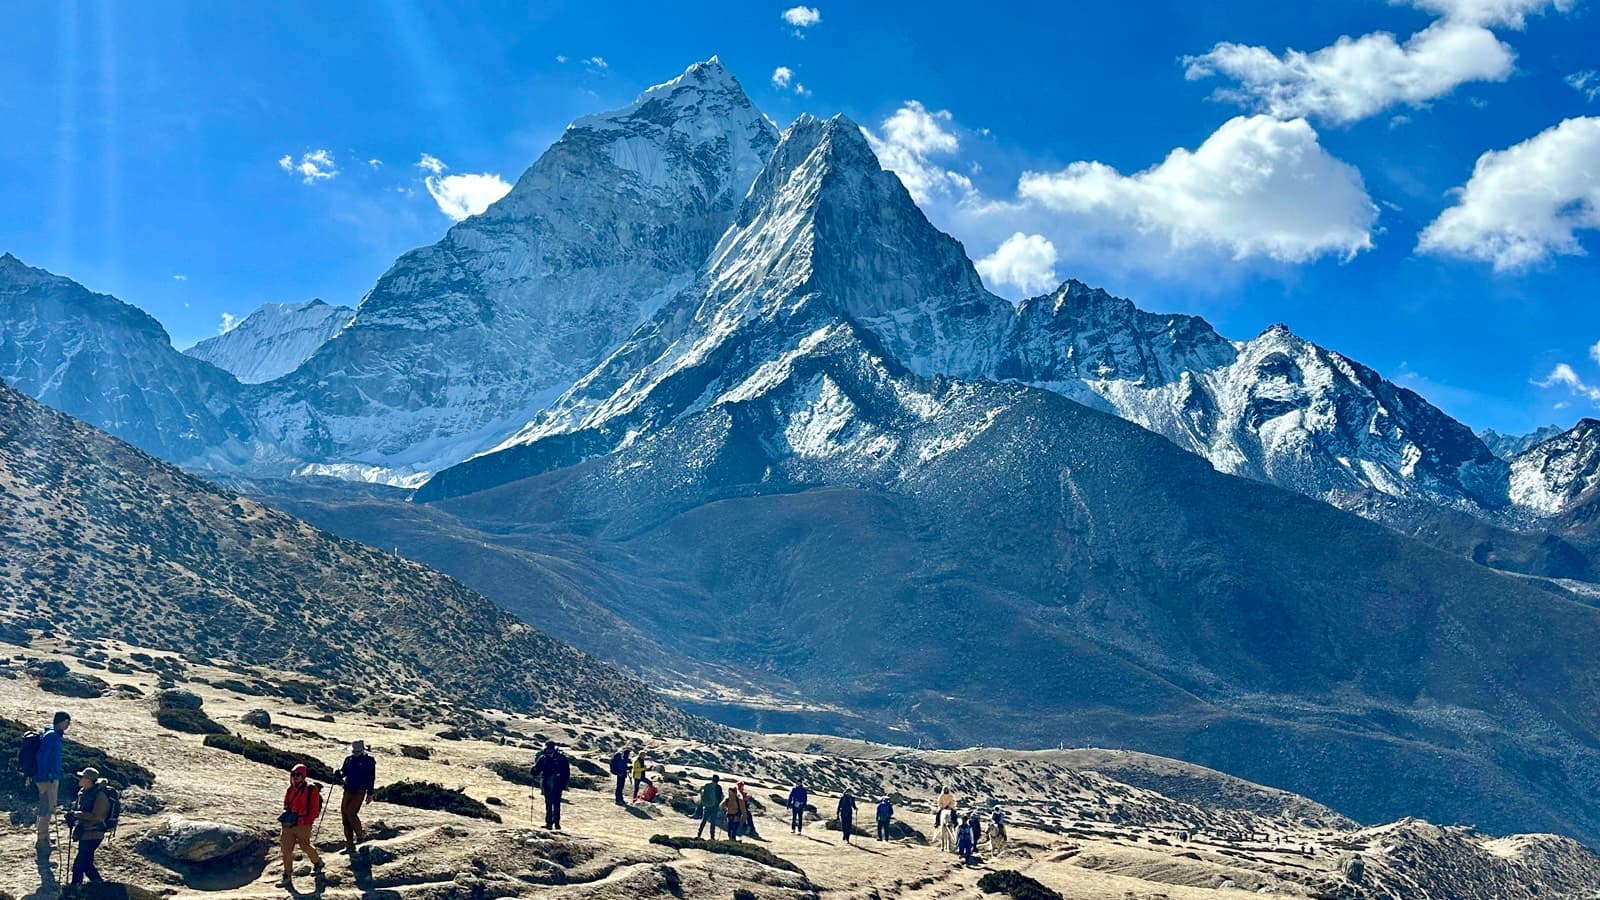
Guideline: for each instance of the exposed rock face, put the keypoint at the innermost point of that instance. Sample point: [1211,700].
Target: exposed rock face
[1557,474]
[106,362]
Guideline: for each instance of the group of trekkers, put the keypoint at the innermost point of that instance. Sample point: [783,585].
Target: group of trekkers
[94,812]
[96,808]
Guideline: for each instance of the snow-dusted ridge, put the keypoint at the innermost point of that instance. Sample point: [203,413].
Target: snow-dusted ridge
[274,340]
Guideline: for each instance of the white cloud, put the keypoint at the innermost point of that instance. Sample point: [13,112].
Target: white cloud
[599,62]
[1024,261]
[1525,203]
[781,76]
[1594,352]
[560,58]
[431,163]
[802,16]
[1257,187]
[802,90]
[1357,77]
[1509,13]
[375,163]
[909,140]
[315,166]
[227,323]
[460,196]
[180,278]
[1563,376]
[1586,83]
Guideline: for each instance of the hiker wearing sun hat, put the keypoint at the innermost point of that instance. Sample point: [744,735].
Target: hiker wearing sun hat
[358,774]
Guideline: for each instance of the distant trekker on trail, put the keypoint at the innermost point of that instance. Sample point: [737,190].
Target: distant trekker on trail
[797,808]
[552,770]
[966,842]
[735,805]
[46,772]
[638,770]
[885,815]
[302,804]
[710,803]
[947,802]
[620,764]
[359,775]
[847,813]
[88,823]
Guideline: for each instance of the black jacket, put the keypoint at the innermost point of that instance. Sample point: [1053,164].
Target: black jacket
[552,771]
[358,774]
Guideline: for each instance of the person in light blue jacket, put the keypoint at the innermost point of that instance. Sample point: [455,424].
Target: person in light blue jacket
[47,774]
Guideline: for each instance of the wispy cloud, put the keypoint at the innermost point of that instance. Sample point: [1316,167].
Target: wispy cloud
[599,62]
[1563,376]
[375,163]
[227,323]
[314,166]
[180,278]
[1586,83]
[908,143]
[560,58]
[781,77]
[430,163]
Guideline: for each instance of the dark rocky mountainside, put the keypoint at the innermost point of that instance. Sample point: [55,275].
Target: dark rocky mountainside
[102,540]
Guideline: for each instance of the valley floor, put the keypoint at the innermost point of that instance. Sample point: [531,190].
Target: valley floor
[1073,830]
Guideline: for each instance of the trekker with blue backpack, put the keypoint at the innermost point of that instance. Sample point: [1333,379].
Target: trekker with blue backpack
[40,758]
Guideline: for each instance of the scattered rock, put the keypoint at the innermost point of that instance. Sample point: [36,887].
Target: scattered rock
[179,699]
[258,718]
[47,668]
[140,802]
[196,841]
[75,685]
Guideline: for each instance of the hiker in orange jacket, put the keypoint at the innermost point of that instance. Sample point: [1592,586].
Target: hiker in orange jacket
[302,803]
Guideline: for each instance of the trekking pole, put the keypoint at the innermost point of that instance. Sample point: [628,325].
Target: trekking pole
[322,814]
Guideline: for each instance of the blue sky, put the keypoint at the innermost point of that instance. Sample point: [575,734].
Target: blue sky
[144,153]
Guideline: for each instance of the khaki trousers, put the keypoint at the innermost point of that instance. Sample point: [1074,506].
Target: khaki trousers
[297,836]
[47,808]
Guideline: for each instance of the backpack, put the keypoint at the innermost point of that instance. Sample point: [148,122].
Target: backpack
[28,753]
[114,810]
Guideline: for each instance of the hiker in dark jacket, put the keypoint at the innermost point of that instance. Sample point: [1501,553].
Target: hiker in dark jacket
[847,813]
[797,808]
[88,823]
[966,843]
[552,770]
[885,814]
[302,804]
[359,775]
[620,764]
[46,774]
[710,803]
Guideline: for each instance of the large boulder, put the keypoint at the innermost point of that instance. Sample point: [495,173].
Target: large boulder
[178,699]
[258,718]
[195,841]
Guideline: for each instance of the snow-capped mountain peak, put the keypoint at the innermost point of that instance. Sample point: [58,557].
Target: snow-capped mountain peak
[1552,476]
[274,340]
[463,342]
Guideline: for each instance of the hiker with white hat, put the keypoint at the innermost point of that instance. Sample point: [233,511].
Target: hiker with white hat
[358,774]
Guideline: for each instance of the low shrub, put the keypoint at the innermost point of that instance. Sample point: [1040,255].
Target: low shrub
[1017,885]
[192,721]
[268,755]
[428,795]
[75,685]
[412,751]
[731,848]
[513,772]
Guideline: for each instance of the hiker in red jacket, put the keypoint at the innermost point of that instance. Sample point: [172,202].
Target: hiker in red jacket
[302,803]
